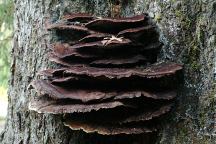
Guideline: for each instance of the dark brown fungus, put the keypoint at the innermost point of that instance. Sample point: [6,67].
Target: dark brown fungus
[147,115]
[136,32]
[84,59]
[123,115]
[45,88]
[65,50]
[69,33]
[107,129]
[68,62]
[157,70]
[108,79]
[75,28]
[126,61]
[113,26]
[157,95]
[52,72]
[63,79]
[56,59]
[94,37]
[112,42]
[63,107]
[146,35]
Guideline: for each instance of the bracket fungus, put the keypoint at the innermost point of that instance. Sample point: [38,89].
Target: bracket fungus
[108,78]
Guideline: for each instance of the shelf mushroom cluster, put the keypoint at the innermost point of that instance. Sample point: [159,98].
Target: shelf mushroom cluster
[108,80]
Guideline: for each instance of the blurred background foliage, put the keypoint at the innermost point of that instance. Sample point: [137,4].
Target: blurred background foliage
[6,35]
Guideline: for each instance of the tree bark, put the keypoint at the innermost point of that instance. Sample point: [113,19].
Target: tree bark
[188,31]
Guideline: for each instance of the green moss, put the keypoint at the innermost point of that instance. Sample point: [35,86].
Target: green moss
[195,111]
[158,17]
[187,24]
[193,57]
[206,108]
[185,133]
[185,21]
[178,13]
[200,34]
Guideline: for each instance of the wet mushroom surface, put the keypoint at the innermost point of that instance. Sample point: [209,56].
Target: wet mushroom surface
[108,79]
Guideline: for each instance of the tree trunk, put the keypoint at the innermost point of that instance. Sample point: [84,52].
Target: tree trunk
[187,29]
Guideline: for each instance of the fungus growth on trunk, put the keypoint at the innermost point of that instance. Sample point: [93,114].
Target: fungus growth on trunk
[109,80]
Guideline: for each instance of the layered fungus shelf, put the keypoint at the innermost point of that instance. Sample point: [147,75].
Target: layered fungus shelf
[108,78]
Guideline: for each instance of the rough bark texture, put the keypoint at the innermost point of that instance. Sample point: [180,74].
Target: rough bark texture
[188,31]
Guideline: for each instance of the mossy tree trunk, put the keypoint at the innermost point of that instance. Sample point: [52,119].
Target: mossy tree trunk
[188,30]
